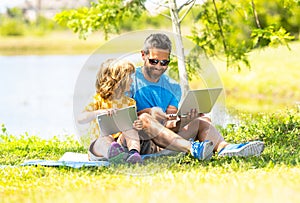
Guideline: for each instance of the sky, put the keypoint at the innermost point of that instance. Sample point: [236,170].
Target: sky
[8,4]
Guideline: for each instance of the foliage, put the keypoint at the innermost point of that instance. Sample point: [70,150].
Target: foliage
[221,28]
[194,61]
[14,23]
[270,36]
[234,29]
[103,15]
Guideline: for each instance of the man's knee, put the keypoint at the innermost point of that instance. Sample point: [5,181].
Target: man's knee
[204,122]
[204,118]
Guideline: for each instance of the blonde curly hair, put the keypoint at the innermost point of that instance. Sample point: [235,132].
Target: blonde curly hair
[113,76]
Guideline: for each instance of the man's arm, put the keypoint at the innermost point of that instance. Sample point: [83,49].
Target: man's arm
[171,110]
[147,110]
[156,112]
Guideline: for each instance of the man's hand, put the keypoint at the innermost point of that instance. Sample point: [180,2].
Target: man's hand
[158,114]
[190,115]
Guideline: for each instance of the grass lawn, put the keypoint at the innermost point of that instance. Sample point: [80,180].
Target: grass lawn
[271,86]
[64,43]
[272,177]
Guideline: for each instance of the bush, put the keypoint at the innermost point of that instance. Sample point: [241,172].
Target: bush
[11,27]
[15,24]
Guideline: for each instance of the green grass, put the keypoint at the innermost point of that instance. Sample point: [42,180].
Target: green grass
[271,84]
[272,177]
[64,43]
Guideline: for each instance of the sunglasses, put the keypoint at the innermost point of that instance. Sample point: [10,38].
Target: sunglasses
[162,62]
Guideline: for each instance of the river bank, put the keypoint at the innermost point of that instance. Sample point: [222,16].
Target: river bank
[57,43]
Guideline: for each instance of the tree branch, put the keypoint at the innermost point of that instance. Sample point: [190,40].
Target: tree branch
[157,7]
[220,25]
[185,4]
[165,15]
[159,4]
[188,10]
[255,15]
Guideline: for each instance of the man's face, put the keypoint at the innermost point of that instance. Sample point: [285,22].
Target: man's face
[155,63]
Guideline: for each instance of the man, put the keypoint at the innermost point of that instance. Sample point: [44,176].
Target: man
[157,95]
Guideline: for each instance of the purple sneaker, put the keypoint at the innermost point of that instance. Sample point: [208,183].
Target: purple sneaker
[134,158]
[114,150]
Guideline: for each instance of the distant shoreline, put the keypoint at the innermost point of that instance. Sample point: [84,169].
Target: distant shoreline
[57,43]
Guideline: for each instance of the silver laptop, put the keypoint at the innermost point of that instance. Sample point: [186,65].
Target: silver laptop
[202,100]
[121,121]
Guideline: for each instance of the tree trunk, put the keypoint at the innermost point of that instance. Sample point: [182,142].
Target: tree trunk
[179,47]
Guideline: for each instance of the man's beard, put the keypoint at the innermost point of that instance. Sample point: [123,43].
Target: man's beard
[149,71]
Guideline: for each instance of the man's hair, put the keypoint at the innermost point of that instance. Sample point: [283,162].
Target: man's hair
[158,41]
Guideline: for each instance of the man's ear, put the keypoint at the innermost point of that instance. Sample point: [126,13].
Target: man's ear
[143,55]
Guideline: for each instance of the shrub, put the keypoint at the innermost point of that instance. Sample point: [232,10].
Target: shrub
[11,27]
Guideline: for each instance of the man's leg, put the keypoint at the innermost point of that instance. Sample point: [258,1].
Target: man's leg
[162,136]
[200,129]
[167,139]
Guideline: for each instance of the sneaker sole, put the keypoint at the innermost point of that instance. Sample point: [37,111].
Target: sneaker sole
[119,159]
[208,150]
[134,159]
[251,149]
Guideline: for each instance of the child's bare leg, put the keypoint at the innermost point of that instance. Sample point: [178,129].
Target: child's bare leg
[101,146]
[132,139]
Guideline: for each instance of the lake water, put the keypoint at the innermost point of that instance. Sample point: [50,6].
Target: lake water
[37,93]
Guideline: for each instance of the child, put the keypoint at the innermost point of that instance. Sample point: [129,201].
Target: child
[113,80]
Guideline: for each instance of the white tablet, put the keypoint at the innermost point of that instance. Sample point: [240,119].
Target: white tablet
[202,100]
[121,121]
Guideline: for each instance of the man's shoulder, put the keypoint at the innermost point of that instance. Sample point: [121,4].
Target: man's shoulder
[138,69]
[171,81]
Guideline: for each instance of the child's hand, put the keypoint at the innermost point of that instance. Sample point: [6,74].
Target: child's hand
[138,124]
[111,112]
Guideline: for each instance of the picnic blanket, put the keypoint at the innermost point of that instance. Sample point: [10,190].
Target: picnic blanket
[78,160]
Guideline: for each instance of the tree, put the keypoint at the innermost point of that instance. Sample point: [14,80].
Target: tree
[215,26]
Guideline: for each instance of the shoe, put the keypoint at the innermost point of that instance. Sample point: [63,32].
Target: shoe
[254,148]
[116,153]
[134,158]
[114,150]
[202,150]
